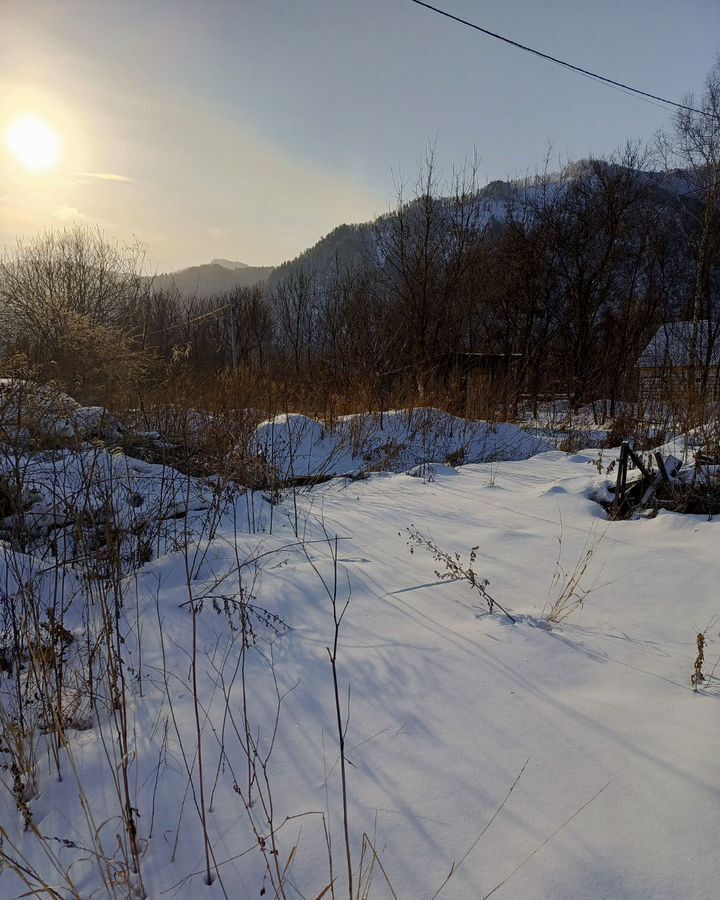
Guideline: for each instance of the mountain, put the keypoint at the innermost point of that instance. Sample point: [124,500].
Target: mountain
[229,264]
[344,246]
[348,246]
[212,278]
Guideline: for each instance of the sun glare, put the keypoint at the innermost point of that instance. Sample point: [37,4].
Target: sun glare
[33,143]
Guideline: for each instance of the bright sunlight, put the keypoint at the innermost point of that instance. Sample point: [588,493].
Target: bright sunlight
[33,143]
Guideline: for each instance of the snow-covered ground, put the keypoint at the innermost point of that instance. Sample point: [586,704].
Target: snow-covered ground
[295,445]
[534,761]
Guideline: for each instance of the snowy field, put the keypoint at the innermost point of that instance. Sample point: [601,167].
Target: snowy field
[540,761]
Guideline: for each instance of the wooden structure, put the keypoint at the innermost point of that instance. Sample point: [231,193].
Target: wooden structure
[681,358]
[637,494]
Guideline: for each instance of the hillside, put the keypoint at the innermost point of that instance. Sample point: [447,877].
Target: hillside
[356,244]
[344,246]
[213,278]
[229,263]
[350,245]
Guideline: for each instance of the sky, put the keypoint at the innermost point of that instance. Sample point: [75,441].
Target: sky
[248,129]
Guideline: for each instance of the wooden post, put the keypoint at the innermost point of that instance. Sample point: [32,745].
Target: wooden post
[661,466]
[638,461]
[667,468]
[621,481]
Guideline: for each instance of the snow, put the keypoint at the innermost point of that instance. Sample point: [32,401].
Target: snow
[295,445]
[68,494]
[29,410]
[298,446]
[684,446]
[616,756]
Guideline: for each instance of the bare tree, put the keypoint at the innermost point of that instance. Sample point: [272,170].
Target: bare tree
[253,323]
[423,248]
[294,302]
[691,155]
[69,276]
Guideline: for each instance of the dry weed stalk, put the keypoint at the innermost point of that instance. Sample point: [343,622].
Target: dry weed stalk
[453,567]
[697,675]
[568,589]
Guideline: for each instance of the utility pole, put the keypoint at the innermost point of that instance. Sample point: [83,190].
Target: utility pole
[233,334]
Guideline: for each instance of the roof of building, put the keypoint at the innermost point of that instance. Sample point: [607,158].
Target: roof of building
[682,344]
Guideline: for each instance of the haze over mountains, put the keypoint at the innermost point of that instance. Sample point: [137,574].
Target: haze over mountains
[213,278]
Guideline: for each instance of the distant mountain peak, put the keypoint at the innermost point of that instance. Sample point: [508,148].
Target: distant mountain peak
[229,264]
[212,278]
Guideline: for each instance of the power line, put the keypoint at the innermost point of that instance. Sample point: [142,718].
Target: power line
[617,84]
[186,322]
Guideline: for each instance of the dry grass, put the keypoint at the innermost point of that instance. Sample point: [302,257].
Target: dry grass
[571,586]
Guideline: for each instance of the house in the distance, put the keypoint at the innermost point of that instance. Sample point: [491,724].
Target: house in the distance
[680,358]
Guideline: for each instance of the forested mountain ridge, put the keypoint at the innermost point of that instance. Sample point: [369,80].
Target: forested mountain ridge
[212,278]
[350,245]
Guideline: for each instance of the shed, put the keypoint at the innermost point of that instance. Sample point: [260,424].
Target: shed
[678,357]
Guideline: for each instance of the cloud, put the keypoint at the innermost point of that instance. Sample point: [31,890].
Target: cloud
[107,176]
[66,213]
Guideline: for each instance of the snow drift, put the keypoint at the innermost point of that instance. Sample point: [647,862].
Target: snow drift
[295,445]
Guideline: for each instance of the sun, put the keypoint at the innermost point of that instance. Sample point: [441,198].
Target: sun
[33,143]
